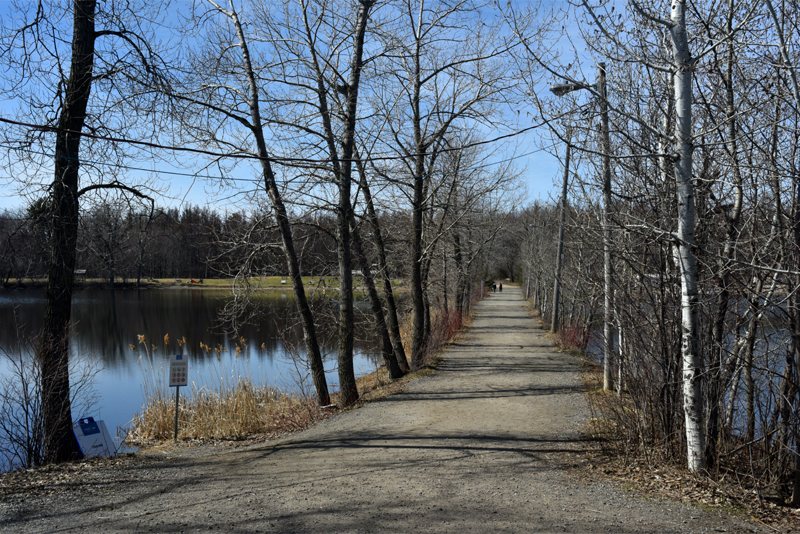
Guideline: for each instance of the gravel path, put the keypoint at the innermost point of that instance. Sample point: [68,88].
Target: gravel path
[481,446]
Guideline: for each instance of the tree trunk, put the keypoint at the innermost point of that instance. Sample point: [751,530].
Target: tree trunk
[460,275]
[111,275]
[418,339]
[444,282]
[555,324]
[417,297]
[722,277]
[426,294]
[747,363]
[284,228]
[392,366]
[347,377]
[621,352]
[53,352]
[391,306]
[608,270]
[692,365]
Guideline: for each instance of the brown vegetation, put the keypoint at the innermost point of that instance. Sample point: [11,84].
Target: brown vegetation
[621,455]
[239,409]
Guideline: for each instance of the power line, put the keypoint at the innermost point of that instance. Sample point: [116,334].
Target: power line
[251,180]
[271,159]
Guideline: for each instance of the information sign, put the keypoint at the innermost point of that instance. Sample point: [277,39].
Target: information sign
[178,370]
[93,438]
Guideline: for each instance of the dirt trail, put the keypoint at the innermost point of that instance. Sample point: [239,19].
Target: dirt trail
[480,447]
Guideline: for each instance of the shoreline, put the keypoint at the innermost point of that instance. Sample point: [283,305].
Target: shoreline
[216,284]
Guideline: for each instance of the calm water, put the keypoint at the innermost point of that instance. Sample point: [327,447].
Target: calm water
[108,322]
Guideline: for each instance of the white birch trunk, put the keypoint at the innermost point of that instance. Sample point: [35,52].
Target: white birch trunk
[684,190]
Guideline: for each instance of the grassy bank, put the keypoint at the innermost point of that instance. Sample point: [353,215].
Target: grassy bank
[246,411]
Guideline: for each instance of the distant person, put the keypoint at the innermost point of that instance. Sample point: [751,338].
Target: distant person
[494,288]
[501,287]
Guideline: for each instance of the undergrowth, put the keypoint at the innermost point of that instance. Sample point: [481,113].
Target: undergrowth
[232,413]
[231,407]
[629,453]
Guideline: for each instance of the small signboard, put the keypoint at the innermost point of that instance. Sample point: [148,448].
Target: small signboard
[93,438]
[178,370]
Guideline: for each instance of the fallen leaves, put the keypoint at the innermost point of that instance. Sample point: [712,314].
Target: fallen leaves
[674,483]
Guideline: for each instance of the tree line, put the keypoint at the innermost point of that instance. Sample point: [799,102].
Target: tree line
[120,243]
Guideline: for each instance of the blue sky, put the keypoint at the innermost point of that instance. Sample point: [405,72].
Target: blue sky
[177,185]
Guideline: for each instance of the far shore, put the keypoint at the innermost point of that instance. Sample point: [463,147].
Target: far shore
[266,283]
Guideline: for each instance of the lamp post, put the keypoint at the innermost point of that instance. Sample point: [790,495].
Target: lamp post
[530,262]
[608,274]
[554,325]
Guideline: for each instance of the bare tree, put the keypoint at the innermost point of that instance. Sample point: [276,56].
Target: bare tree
[53,81]
[446,72]
[227,91]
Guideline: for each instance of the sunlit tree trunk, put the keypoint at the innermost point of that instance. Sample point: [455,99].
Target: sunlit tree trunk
[684,189]
[284,225]
[392,365]
[392,317]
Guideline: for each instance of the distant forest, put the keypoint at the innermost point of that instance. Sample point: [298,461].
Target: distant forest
[121,243]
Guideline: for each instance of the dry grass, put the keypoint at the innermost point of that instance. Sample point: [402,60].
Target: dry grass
[230,408]
[235,408]
[244,411]
[233,413]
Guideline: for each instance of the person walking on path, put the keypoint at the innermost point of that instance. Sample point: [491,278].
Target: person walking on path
[494,287]
[501,287]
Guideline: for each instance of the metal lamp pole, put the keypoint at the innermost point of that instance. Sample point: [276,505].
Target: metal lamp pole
[530,262]
[608,273]
[554,325]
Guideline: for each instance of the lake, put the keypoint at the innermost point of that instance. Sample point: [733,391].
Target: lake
[108,322]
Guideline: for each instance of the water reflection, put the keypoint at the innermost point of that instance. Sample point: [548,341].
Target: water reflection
[107,323]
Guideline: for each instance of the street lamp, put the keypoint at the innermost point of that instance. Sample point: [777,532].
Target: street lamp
[605,150]
[560,89]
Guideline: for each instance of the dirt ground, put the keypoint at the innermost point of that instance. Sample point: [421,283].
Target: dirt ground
[487,444]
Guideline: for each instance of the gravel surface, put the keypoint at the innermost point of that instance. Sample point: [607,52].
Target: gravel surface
[484,445]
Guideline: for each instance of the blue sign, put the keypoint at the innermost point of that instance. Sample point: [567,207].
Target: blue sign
[88,426]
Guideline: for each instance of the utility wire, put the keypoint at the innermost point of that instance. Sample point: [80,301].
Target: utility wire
[272,159]
[251,180]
